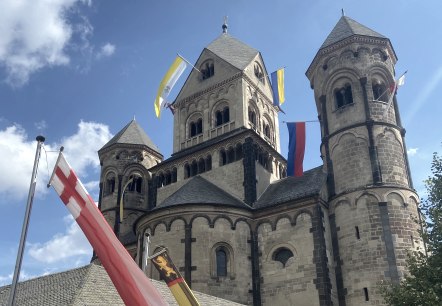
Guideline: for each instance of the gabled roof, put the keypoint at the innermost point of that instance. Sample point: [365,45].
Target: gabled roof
[233,51]
[132,133]
[88,285]
[200,191]
[292,188]
[347,27]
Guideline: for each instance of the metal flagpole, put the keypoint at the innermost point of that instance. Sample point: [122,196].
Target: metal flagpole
[24,231]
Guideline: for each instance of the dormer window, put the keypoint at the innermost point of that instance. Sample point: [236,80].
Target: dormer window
[259,72]
[343,96]
[207,69]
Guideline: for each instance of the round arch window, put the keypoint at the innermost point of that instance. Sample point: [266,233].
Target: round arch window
[282,255]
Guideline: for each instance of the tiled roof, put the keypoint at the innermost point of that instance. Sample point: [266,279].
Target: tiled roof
[292,188]
[88,285]
[200,191]
[347,27]
[132,133]
[233,51]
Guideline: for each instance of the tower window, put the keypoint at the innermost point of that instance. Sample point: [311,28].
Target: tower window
[222,157]
[222,116]
[252,117]
[221,262]
[282,255]
[343,96]
[266,129]
[110,184]
[207,69]
[379,91]
[366,294]
[136,183]
[196,127]
[357,232]
[259,73]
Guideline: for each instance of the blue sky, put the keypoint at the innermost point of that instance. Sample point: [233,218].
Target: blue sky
[77,71]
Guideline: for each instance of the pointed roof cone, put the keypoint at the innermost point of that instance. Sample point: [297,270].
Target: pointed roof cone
[233,51]
[347,27]
[132,133]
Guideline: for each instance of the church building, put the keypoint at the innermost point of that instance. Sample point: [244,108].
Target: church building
[233,222]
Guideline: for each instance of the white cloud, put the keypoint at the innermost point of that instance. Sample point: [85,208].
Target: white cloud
[106,50]
[72,245]
[40,125]
[412,151]
[34,35]
[16,149]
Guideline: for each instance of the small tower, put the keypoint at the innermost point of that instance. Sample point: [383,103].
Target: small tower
[371,198]
[124,180]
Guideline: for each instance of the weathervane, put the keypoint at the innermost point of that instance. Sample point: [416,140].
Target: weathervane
[225,25]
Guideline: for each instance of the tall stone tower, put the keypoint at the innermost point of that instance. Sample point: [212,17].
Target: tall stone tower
[124,180]
[370,193]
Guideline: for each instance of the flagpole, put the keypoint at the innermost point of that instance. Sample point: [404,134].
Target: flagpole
[40,140]
[188,63]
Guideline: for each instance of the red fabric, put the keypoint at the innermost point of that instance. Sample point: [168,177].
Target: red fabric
[131,283]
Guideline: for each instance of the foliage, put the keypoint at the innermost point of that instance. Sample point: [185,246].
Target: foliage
[423,284]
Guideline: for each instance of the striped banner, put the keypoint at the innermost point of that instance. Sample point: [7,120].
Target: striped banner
[131,283]
[295,156]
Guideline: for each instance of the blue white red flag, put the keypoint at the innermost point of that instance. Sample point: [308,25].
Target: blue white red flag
[295,156]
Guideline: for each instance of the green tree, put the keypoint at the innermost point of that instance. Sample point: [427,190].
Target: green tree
[423,284]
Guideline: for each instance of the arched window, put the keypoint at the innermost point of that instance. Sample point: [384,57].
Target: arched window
[208,163]
[282,255]
[222,116]
[343,96]
[226,114]
[222,157]
[195,127]
[192,129]
[136,183]
[380,92]
[199,126]
[266,130]
[238,151]
[207,69]
[259,73]
[110,184]
[167,178]
[230,155]
[252,117]
[186,171]
[201,166]
[161,180]
[221,262]
[194,168]
[174,175]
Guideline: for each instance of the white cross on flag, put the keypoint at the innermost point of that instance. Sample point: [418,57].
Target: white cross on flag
[131,283]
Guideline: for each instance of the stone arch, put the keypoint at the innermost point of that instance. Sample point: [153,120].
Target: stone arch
[346,55]
[378,54]
[395,198]
[330,62]
[338,78]
[110,181]
[342,136]
[340,205]
[177,218]
[200,216]
[157,224]
[299,214]
[263,222]
[367,196]
[280,218]
[227,218]
[391,157]
[207,69]
[244,220]
[122,155]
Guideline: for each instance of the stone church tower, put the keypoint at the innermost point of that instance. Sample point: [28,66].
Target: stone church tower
[370,193]
[232,221]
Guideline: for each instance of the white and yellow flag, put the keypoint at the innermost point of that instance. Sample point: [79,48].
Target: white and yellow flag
[168,82]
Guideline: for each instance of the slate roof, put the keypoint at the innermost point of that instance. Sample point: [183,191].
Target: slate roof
[233,51]
[88,285]
[347,27]
[132,133]
[292,188]
[200,191]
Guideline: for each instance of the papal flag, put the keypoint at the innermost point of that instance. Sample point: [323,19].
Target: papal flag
[131,283]
[278,87]
[172,277]
[393,88]
[168,82]
[295,158]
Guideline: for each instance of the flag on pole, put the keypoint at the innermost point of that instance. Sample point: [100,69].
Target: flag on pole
[278,87]
[295,156]
[393,88]
[168,82]
[172,277]
[131,283]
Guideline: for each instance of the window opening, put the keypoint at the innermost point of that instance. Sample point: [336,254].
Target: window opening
[357,232]
[221,262]
[282,255]
[366,294]
[343,96]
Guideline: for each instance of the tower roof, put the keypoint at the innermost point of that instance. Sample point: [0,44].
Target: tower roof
[233,51]
[347,27]
[200,191]
[132,133]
